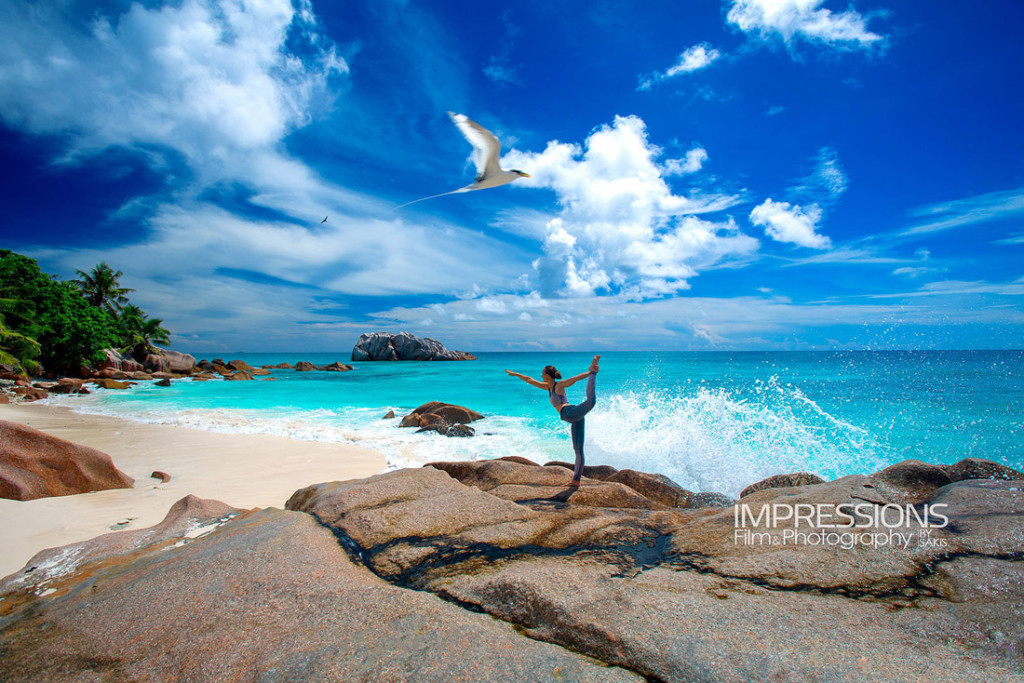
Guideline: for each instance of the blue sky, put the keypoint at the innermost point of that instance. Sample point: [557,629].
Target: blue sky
[731,174]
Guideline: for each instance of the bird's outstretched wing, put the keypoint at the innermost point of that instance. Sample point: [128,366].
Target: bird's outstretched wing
[486,147]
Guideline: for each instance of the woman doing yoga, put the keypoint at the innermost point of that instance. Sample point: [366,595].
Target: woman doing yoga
[573,414]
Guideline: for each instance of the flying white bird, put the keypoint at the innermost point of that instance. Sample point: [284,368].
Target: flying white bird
[486,150]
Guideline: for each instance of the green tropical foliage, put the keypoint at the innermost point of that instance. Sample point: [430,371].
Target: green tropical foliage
[101,288]
[76,332]
[16,348]
[67,324]
[140,332]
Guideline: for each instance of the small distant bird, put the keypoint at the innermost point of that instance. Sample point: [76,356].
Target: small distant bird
[486,150]
[324,220]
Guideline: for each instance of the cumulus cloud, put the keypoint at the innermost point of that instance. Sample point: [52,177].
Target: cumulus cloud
[620,227]
[785,222]
[803,19]
[691,163]
[692,59]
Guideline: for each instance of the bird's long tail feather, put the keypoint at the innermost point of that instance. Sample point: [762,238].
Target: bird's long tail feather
[433,196]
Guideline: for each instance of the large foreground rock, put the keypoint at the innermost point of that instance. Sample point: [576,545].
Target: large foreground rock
[36,465]
[403,346]
[213,594]
[783,481]
[676,595]
[608,571]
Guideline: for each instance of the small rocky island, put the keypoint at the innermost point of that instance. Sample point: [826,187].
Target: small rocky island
[403,346]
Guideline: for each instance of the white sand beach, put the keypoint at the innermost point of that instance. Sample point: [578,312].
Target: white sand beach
[243,470]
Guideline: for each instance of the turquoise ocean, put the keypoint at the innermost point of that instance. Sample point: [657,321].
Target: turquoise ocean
[711,421]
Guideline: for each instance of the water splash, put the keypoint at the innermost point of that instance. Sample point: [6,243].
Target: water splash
[713,440]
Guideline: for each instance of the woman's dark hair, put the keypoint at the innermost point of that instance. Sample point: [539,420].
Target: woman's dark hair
[551,372]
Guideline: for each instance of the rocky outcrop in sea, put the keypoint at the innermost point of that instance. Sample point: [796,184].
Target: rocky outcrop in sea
[403,346]
[443,418]
[492,570]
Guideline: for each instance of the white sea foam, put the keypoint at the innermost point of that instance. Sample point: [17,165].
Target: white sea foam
[706,440]
[712,441]
[499,436]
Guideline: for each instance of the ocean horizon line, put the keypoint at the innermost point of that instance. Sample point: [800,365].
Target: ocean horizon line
[607,351]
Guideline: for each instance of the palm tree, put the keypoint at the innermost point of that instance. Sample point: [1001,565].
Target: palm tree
[102,289]
[141,332]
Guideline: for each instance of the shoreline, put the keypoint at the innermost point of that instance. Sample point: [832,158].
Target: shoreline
[242,470]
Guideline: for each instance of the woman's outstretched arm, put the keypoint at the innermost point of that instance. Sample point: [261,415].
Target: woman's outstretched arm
[528,380]
[572,380]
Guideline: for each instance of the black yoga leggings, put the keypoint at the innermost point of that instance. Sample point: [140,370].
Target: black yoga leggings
[574,416]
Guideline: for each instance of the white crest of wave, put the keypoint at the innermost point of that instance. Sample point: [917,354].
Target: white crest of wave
[710,440]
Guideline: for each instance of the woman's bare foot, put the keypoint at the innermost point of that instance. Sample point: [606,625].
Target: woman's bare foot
[571,485]
[594,368]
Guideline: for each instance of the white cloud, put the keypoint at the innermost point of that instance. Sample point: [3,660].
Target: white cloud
[847,255]
[209,79]
[785,222]
[217,84]
[943,288]
[693,162]
[967,211]
[803,19]
[491,305]
[500,68]
[830,173]
[692,59]
[923,255]
[500,72]
[1015,238]
[221,84]
[695,322]
[826,182]
[913,271]
[620,227]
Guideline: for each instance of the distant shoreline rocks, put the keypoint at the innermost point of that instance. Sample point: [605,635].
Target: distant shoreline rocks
[403,346]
